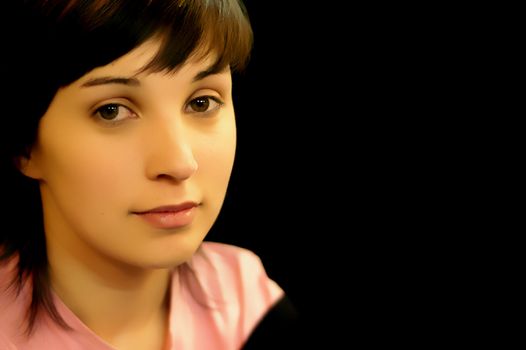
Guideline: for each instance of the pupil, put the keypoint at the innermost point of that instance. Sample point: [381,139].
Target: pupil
[201,104]
[109,112]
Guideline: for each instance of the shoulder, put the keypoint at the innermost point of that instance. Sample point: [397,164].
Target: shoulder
[229,256]
[236,270]
[227,288]
[268,318]
[13,303]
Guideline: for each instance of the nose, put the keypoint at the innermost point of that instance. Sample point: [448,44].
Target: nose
[170,153]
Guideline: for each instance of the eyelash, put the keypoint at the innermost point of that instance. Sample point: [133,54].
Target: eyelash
[118,106]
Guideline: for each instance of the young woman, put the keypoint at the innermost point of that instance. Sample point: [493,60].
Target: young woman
[117,144]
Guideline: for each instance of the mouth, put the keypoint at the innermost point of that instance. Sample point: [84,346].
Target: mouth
[170,216]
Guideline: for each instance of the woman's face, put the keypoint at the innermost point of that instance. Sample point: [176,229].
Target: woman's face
[115,143]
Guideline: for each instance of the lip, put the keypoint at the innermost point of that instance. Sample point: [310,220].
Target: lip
[170,216]
[169,208]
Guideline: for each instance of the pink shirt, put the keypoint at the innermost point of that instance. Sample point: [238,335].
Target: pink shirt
[214,306]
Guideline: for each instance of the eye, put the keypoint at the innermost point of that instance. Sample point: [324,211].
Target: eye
[114,113]
[204,104]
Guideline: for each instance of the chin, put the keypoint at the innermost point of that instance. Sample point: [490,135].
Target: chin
[170,256]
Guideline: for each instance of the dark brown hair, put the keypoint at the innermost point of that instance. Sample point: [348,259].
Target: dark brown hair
[58,41]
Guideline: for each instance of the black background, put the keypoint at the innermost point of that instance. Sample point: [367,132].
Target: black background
[337,185]
[332,185]
[274,205]
[354,179]
[261,208]
[285,190]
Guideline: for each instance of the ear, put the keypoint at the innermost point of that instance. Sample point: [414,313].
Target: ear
[28,166]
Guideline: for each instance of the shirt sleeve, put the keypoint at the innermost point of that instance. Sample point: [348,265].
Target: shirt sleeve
[236,276]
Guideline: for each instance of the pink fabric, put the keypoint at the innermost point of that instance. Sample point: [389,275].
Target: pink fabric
[217,300]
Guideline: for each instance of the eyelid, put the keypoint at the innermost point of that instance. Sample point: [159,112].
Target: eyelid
[121,101]
[109,123]
[216,99]
[213,91]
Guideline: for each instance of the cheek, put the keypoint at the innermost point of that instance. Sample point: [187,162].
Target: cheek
[215,157]
[86,171]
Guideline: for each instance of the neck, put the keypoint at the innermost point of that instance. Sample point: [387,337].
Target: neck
[112,299]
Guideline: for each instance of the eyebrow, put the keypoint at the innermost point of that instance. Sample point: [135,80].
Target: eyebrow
[112,80]
[212,70]
[134,82]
